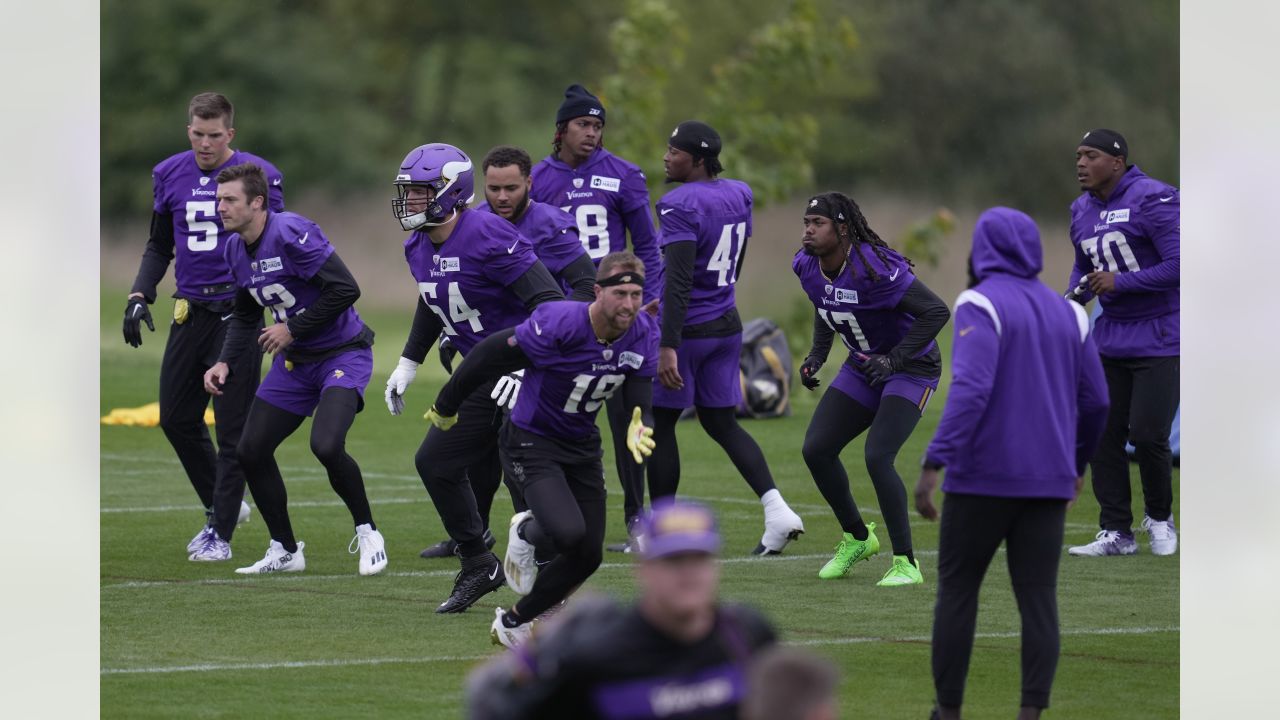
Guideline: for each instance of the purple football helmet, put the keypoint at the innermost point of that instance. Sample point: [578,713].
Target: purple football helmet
[445,169]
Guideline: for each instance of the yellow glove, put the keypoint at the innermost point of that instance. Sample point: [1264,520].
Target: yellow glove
[443,422]
[639,438]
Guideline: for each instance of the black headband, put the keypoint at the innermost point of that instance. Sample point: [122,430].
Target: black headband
[1108,141]
[819,205]
[622,278]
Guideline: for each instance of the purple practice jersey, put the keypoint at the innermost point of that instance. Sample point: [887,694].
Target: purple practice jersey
[606,196]
[716,216]
[278,272]
[551,231]
[573,373]
[188,194]
[1135,234]
[465,281]
[860,310]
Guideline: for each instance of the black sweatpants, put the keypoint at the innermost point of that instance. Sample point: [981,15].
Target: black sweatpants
[839,419]
[1144,400]
[973,526]
[723,427]
[444,458]
[630,475]
[193,348]
[563,483]
[269,425]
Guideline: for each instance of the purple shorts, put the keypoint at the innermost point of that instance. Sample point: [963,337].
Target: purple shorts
[298,390]
[915,389]
[711,373]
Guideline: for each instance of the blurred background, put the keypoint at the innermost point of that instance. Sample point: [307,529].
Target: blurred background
[925,111]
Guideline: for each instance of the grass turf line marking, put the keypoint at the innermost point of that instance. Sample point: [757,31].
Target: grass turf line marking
[213,667]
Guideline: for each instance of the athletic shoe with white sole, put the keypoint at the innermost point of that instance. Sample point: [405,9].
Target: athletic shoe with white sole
[198,541]
[277,559]
[478,577]
[372,548]
[507,637]
[243,517]
[781,525]
[850,551]
[1107,542]
[214,549]
[1164,536]
[519,565]
[902,572]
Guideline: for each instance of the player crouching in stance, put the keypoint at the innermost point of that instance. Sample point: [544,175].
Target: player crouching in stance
[865,291]
[323,361]
[575,357]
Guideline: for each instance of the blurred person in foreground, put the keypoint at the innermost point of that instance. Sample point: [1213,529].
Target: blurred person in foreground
[675,652]
[1025,413]
[791,684]
[1126,233]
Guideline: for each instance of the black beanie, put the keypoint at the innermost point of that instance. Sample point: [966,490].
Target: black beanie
[1108,141]
[579,101]
[696,138]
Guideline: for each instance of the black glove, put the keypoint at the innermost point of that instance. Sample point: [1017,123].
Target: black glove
[877,368]
[134,313]
[809,372]
[447,353]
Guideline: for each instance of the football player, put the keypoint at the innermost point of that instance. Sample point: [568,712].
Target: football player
[323,361]
[706,223]
[608,198]
[864,291]
[476,275]
[186,228]
[577,355]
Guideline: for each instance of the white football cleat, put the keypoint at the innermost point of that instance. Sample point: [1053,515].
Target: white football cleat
[243,517]
[1164,536]
[519,564]
[508,637]
[214,549]
[781,524]
[372,549]
[277,559]
[199,539]
[1107,543]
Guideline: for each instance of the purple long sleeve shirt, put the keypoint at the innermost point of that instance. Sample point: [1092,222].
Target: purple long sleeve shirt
[1028,398]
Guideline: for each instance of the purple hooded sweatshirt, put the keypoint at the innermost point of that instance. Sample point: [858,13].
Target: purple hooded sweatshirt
[1028,399]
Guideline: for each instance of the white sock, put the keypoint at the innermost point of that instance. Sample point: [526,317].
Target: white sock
[772,500]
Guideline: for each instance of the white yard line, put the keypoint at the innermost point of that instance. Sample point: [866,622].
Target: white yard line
[349,662]
[292,504]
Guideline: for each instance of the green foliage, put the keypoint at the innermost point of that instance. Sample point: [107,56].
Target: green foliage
[922,241]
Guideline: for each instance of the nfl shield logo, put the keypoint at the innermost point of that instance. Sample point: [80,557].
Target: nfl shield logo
[577,182]
[607,354]
[435,259]
[254,265]
[827,289]
[204,181]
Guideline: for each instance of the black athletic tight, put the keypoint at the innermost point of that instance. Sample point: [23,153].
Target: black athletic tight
[723,427]
[839,419]
[268,426]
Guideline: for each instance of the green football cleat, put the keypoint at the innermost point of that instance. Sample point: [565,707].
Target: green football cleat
[902,572]
[850,551]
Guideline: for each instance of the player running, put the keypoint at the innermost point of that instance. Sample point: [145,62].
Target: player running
[577,355]
[476,275]
[705,226]
[323,361]
[608,198]
[186,228]
[864,291]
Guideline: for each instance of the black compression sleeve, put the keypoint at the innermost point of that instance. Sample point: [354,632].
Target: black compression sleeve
[492,358]
[338,291]
[423,333]
[677,262]
[156,258]
[246,315]
[930,313]
[536,286]
[581,276]
[823,335]
[639,391]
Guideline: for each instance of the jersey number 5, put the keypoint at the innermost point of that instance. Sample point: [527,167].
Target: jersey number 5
[195,243]
[459,311]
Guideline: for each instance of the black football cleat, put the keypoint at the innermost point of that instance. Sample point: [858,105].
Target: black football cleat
[478,577]
[448,548]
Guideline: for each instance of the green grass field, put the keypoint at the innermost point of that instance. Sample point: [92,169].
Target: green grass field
[182,639]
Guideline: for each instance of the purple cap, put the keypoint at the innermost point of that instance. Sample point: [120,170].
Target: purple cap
[677,526]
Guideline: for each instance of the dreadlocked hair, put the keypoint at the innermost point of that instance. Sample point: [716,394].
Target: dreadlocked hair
[859,231]
[559,136]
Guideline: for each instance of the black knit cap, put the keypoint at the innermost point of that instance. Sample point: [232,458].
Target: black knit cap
[696,138]
[578,101]
[1108,141]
